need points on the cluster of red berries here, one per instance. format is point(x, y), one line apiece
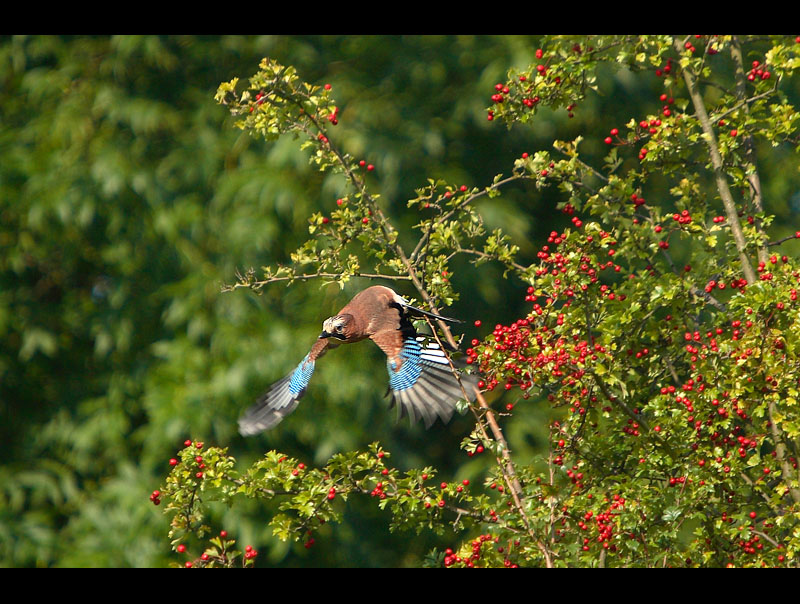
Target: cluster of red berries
point(764, 274)
point(603, 523)
point(614, 132)
point(632, 429)
point(758, 71)
point(644, 127)
point(198, 458)
point(666, 69)
point(683, 217)
point(378, 491)
point(259, 100)
point(741, 284)
point(250, 553)
point(542, 69)
point(530, 349)
point(479, 448)
point(501, 89)
point(333, 116)
point(155, 496)
point(575, 477)
point(450, 557)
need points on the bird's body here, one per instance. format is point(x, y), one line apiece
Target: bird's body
point(423, 380)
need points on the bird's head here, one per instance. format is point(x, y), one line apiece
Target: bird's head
point(338, 326)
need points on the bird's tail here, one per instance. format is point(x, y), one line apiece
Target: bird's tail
point(419, 312)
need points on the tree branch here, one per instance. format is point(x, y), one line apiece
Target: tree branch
point(719, 174)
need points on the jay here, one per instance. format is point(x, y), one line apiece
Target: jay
point(422, 378)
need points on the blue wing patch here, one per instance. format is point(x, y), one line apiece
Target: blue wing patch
point(301, 376)
point(424, 385)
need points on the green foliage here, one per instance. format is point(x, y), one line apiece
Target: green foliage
point(672, 380)
point(639, 388)
point(128, 199)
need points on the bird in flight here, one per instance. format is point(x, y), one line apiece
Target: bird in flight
point(424, 382)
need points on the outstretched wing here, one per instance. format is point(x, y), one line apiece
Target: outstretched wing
point(421, 378)
point(283, 396)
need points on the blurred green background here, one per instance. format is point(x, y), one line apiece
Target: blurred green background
point(127, 198)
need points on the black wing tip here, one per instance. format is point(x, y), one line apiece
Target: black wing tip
point(270, 409)
point(260, 419)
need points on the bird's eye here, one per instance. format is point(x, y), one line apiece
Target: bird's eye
point(338, 329)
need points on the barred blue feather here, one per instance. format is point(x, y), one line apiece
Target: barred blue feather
point(301, 377)
point(424, 385)
point(279, 401)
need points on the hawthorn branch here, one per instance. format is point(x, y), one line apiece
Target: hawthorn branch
point(256, 285)
point(718, 169)
point(504, 461)
point(465, 202)
point(779, 241)
point(780, 452)
point(744, 102)
point(480, 254)
point(749, 148)
point(393, 244)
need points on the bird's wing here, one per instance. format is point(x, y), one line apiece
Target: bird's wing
point(421, 379)
point(284, 395)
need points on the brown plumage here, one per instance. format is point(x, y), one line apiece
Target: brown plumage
point(422, 380)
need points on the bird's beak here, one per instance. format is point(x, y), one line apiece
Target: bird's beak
point(324, 335)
